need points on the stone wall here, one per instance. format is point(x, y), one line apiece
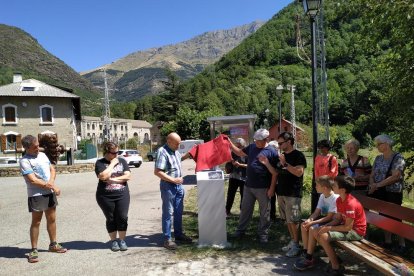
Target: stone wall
point(60, 169)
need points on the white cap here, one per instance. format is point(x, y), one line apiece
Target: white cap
point(241, 142)
point(261, 134)
point(274, 144)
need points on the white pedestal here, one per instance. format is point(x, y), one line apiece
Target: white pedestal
point(211, 209)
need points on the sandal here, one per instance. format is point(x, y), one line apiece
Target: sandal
point(33, 256)
point(57, 248)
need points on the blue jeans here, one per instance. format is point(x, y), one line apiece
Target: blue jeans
point(172, 196)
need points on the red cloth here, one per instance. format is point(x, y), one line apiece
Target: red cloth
point(212, 153)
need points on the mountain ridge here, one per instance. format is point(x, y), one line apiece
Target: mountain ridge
point(186, 59)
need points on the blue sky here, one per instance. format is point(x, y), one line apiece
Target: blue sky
point(86, 34)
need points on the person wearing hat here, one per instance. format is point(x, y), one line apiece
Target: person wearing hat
point(237, 176)
point(260, 184)
point(325, 162)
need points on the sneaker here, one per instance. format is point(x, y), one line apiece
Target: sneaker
point(115, 246)
point(33, 256)
point(293, 251)
point(169, 244)
point(57, 248)
point(303, 264)
point(303, 252)
point(122, 245)
point(288, 246)
point(184, 239)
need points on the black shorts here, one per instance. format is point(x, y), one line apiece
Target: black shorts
point(42, 203)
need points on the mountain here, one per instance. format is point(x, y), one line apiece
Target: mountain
point(142, 72)
point(20, 52)
point(244, 80)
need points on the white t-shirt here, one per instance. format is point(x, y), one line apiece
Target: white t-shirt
point(40, 166)
point(327, 204)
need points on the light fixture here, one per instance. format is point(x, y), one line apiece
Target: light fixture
point(311, 7)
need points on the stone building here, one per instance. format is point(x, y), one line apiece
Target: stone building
point(120, 130)
point(34, 107)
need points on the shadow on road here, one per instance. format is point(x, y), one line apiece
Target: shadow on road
point(132, 241)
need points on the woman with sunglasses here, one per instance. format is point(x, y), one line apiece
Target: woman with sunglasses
point(112, 194)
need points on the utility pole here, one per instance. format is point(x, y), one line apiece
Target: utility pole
point(323, 91)
point(292, 110)
point(107, 112)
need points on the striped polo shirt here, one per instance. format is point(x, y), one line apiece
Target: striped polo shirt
point(169, 161)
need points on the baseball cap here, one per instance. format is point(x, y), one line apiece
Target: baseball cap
point(261, 134)
point(241, 141)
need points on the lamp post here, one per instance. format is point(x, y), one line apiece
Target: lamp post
point(279, 91)
point(266, 121)
point(312, 8)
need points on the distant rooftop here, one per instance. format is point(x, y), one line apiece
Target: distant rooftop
point(34, 88)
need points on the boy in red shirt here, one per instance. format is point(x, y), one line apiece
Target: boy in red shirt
point(349, 223)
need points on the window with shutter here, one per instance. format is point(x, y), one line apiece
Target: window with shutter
point(3, 142)
point(9, 114)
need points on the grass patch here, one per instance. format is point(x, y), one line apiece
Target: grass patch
point(249, 245)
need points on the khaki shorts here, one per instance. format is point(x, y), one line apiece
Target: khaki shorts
point(289, 208)
point(344, 236)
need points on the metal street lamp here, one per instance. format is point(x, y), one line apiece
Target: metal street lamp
point(265, 121)
point(279, 91)
point(312, 8)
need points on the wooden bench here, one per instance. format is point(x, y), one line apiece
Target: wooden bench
point(385, 261)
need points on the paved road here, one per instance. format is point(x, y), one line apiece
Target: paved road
point(81, 228)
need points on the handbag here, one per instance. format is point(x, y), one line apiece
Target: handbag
point(381, 192)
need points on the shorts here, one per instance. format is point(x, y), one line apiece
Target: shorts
point(289, 208)
point(42, 203)
point(344, 236)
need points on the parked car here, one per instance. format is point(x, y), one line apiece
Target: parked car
point(132, 157)
point(152, 155)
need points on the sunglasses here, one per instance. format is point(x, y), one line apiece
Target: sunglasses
point(112, 152)
point(281, 143)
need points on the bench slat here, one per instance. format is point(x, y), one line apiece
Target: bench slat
point(387, 208)
point(369, 258)
point(394, 226)
point(396, 259)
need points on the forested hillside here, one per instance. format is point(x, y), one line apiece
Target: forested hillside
point(20, 52)
point(362, 62)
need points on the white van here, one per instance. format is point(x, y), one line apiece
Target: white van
point(187, 145)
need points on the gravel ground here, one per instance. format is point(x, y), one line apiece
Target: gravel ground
point(81, 228)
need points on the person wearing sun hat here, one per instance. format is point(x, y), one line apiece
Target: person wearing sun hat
point(260, 184)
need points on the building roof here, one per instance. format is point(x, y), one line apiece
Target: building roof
point(290, 123)
point(231, 120)
point(34, 88)
point(134, 123)
point(140, 124)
